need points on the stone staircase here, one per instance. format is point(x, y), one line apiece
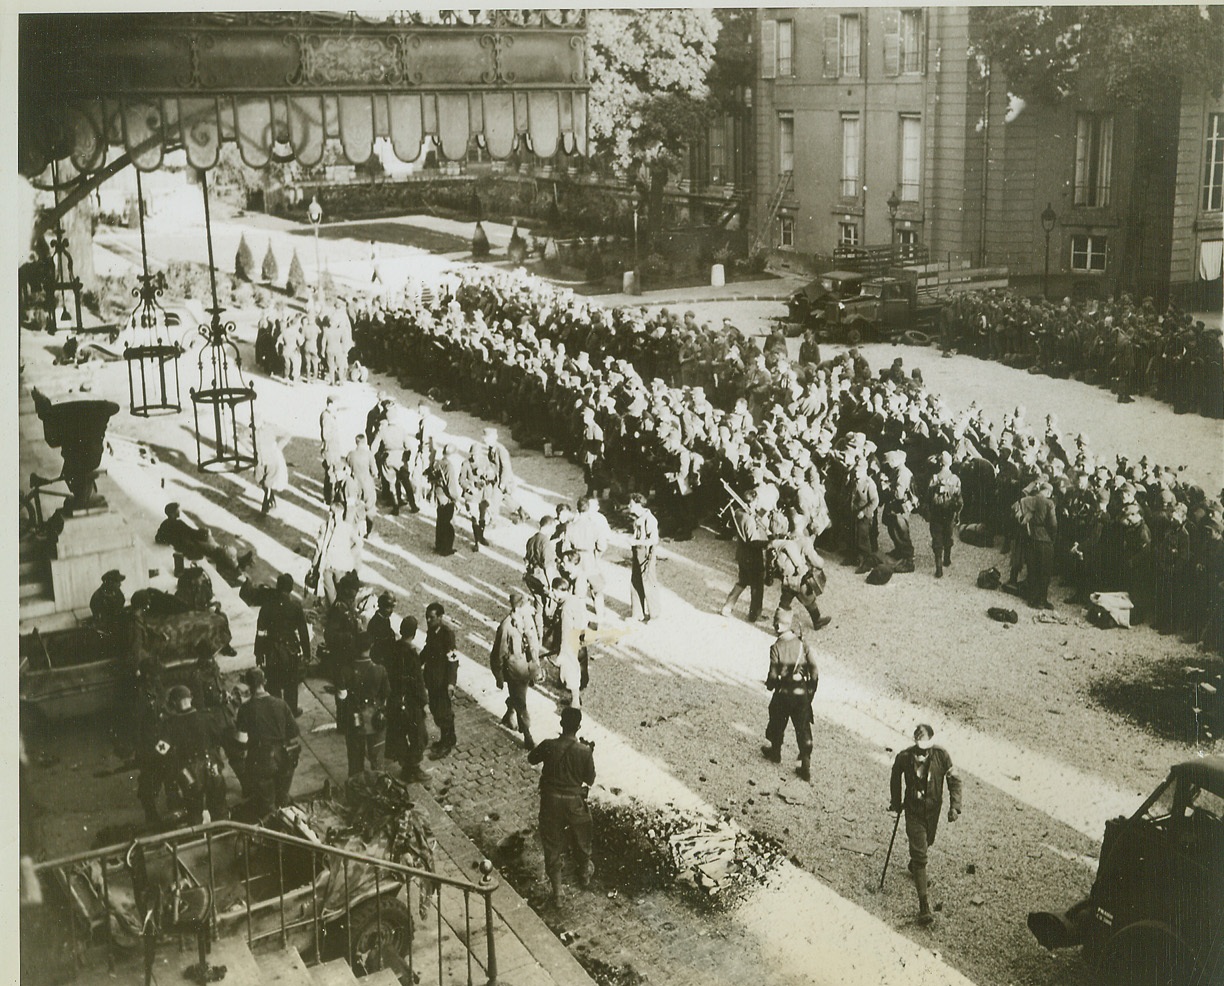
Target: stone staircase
point(264, 967)
point(37, 598)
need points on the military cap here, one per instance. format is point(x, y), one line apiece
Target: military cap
point(114, 575)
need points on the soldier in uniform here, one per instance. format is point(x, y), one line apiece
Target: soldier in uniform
point(268, 738)
point(644, 579)
point(330, 447)
point(310, 348)
point(515, 661)
point(440, 669)
point(379, 628)
point(899, 503)
point(106, 605)
point(565, 820)
point(407, 734)
point(752, 539)
point(447, 492)
point(282, 642)
point(390, 448)
point(925, 769)
point(361, 711)
point(361, 462)
point(190, 747)
point(475, 479)
point(864, 505)
point(943, 504)
point(793, 678)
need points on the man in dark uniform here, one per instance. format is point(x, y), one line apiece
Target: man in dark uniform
point(925, 768)
point(565, 820)
point(282, 642)
point(190, 747)
point(793, 678)
point(1040, 529)
point(361, 710)
point(106, 605)
point(943, 506)
point(408, 736)
point(447, 492)
point(379, 628)
point(752, 538)
point(440, 668)
point(268, 738)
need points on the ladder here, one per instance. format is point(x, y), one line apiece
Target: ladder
point(761, 237)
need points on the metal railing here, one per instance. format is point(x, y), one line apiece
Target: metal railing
point(391, 881)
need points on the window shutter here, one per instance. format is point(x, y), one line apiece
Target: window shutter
point(831, 50)
point(922, 33)
point(769, 49)
point(892, 42)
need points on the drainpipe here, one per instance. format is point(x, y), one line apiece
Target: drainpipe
point(985, 171)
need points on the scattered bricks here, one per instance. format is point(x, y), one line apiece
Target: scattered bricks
point(971, 868)
point(977, 901)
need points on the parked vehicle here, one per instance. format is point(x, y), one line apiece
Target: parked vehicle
point(1155, 914)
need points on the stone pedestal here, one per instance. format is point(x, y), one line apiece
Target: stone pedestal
point(93, 542)
point(718, 276)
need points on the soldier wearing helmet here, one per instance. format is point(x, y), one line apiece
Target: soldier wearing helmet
point(189, 751)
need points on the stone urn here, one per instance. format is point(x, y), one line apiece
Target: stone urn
point(78, 430)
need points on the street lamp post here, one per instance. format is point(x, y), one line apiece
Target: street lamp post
point(637, 262)
point(893, 203)
point(1048, 218)
point(315, 212)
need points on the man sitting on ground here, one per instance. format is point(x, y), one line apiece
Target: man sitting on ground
point(195, 543)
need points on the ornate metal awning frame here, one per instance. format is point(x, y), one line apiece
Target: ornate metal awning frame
point(281, 84)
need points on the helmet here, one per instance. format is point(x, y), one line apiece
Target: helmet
point(180, 697)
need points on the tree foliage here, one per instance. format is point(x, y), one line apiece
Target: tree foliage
point(1137, 54)
point(648, 72)
point(244, 261)
point(270, 270)
point(295, 282)
point(735, 62)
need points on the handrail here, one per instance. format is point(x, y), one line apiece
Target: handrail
point(400, 880)
point(486, 886)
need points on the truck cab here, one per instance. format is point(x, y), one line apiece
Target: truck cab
point(1155, 914)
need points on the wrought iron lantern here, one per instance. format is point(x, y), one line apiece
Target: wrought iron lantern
point(224, 402)
point(152, 357)
point(66, 281)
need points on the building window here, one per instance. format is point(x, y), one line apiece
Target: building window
point(786, 231)
point(848, 45)
point(1088, 254)
point(911, 157)
point(786, 44)
point(847, 234)
point(907, 239)
point(911, 41)
point(786, 142)
point(850, 157)
point(1215, 162)
point(1093, 158)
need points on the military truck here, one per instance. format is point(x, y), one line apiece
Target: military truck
point(849, 307)
point(1155, 914)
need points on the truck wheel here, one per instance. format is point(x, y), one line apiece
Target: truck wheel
point(853, 336)
point(916, 338)
point(370, 938)
point(1146, 953)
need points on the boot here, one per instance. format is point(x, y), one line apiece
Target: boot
point(555, 883)
point(925, 917)
point(528, 742)
point(508, 719)
point(938, 569)
point(805, 768)
point(772, 753)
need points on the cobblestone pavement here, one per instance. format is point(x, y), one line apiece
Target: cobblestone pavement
point(622, 934)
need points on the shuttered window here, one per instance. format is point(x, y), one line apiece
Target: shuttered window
point(1093, 158)
point(849, 46)
point(786, 45)
point(1215, 162)
point(911, 157)
point(912, 41)
point(786, 142)
point(769, 49)
point(850, 157)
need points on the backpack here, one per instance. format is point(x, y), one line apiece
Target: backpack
point(989, 578)
point(943, 494)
